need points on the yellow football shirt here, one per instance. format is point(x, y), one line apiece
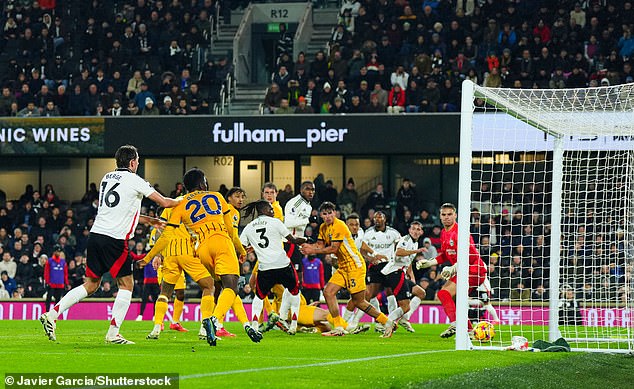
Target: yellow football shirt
point(348, 255)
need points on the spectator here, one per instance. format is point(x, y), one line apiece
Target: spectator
point(149, 108)
point(9, 283)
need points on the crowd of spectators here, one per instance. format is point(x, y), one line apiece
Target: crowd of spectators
point(510, 223)
point(399, 56)
point(87, 58)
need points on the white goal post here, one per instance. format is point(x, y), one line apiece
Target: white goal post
point(546, 189)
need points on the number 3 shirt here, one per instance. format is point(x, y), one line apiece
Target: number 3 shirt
point(266, 234)
point(120, 195)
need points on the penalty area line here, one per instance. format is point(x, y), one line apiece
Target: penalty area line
point(318, 364)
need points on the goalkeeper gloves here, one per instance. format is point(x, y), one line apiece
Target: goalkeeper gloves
point(448, 272)
point(425, 263)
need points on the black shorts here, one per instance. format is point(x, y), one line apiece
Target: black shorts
point(106, 254)
point(293, 253)
point(287, 276)
point(399, 285)
point(374, 275)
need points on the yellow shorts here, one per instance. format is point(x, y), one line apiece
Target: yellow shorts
point(353, 280)
point(306, 315)
point(180, 284)
point(173, 269)
point(217, 252)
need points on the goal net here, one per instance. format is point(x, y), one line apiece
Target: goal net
point(547, 192)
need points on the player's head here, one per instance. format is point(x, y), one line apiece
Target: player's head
point(379, 219)
point(269, 192)
point(262, 207)
point(328, 212)
point(235, 196)
point(353, 223)
point(127, 157)
point(448, 215)
point(307, 190)
point(415, 230)
point(194, 180)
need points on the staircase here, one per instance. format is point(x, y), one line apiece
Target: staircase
point(223, 44)
point(248, 97)
point(324, 21)
point(247, 100)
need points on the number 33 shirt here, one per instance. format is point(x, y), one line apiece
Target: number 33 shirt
point(266, 234)
point(120, 195)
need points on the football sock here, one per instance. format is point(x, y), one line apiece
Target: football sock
point(492, 312)
point(448, 304)
point(238, 309)
point(391, 303)
point(206, 306)
point(256, 310)
point(225, 300)
point(396, 314)
point(74, 296)
point(356, 318)
point(267, 305)
point(294, 305)
point(160, 308)
point(375, 303)
point(178, 310)
point(119, 309)
point(414, 303)
point(382, 319)
point(286, 304)
point(348, 315)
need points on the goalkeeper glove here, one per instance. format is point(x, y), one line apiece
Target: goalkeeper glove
point(448, 272)
point(425, 263)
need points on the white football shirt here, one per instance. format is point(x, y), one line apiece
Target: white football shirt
point(358, 239)
point(382, 242)
point(296, 215)
point(266, 234)
point(396, 263)
point(120, 195)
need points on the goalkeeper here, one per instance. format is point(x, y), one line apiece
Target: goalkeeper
point(449, 253)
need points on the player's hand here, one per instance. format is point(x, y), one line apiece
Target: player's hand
point(242, 258)
point(422, 250)
point(154, 222)
point(425, 263)
point(249, 249)
point(379, 258)
point(157, 262)
point(307, 249)
point(448, 272)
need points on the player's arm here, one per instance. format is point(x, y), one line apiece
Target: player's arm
point(162, 242)
point(371, 255)
point(154, 222)
point(320, 248)
point(401, 252)
point(295, 240)
point(163, 201)
point(410, 273)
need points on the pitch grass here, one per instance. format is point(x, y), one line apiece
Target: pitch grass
point(302, 361)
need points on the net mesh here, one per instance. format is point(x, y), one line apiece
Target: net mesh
point(512, 182)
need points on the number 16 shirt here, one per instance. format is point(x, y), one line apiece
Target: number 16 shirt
point(120, 195)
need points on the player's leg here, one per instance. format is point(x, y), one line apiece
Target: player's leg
point(160, 308)
point(290, 281)
point(418, 294)
point(228, 268)
point(263, 284)
point(96, 265)
point(337, 282)
point(179, 304)
point(446, 295)
point(320, 320)
point(372, 289)
point(120, 308)
point(364, 306)
point(145, 297)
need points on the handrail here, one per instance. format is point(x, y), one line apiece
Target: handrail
point(221, 109)
point(229, 83)
point(217, 29)
point(305, 30)
point(246, 65)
